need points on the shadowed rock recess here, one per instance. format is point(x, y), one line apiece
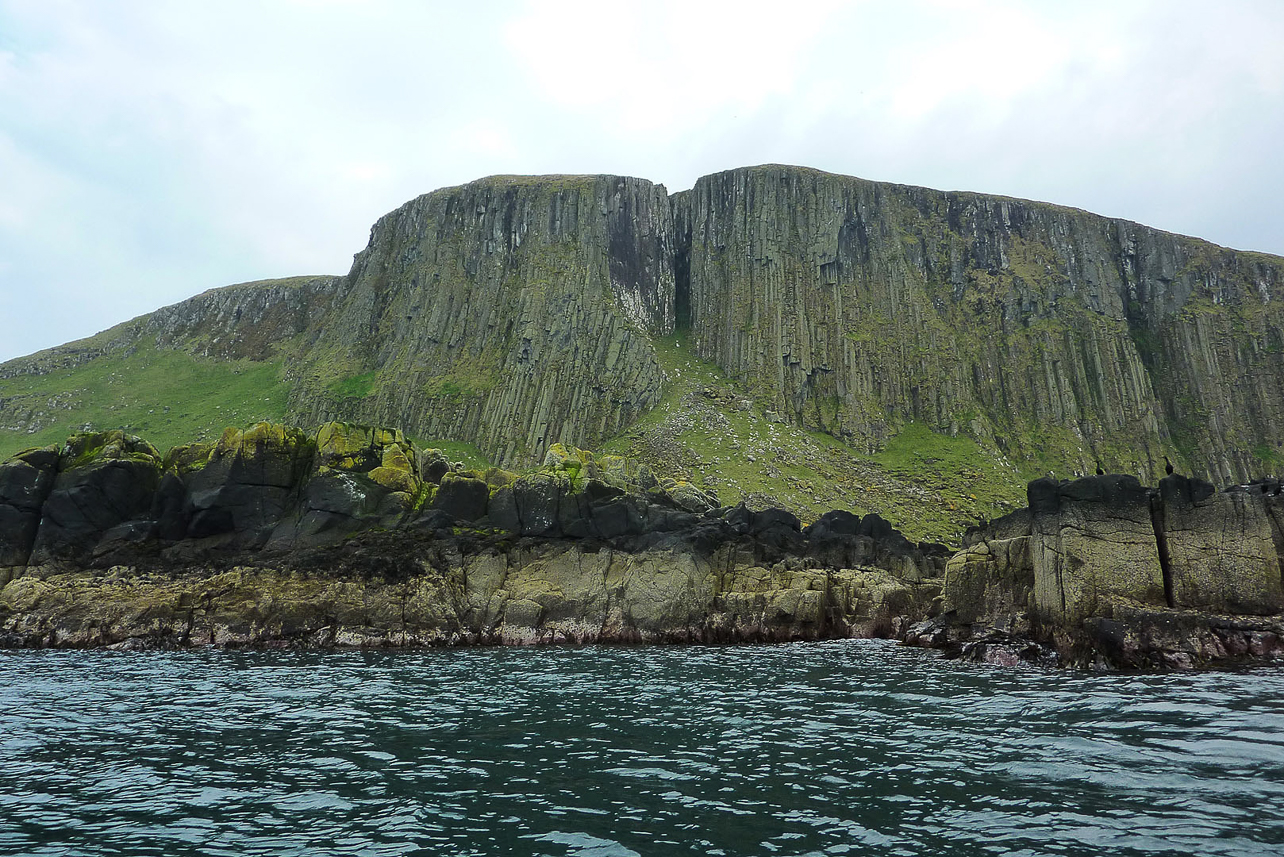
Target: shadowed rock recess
point(532, 317)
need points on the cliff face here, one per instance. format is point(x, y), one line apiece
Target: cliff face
point(242, 321)
point(517, 312)
point(1058, 337)
point(189, 368)
point(512, 312)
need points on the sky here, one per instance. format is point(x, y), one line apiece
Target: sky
point(152, 150)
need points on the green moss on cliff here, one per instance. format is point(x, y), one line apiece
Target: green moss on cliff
point(355, 386)
point(713, 432)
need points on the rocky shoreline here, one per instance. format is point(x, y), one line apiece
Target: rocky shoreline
point(1107, 573)
point(354, 537)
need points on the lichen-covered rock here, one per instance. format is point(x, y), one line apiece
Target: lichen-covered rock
point(187, 457)
point(687, 496)
point(250, 482)
point(429, 593)
point(362, 476)
point(382, 454)
point(1221, 553)
point(104, 480)
point(1092, 540)
point(990, 580)
point(357, 448)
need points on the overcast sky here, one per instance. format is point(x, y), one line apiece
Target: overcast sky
point(151, 150)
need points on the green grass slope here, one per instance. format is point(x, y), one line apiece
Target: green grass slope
point(710, 431)
point(706, 429)
point(166, 396)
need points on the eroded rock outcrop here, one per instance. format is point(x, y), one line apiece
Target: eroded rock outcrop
point(353, 536)
point(105, 482)
point(1109, 571)
point(1221, 552)
point(25, 483)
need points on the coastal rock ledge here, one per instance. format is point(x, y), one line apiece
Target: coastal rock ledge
point(352, 536)
point(1106, 572)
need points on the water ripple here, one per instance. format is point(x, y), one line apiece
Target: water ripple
point(817, 749)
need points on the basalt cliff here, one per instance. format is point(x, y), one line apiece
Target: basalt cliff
point(769, 361)
point(514, 313)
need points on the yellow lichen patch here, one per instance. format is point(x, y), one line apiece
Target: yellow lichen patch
point(187, 457)
point(260, 435)
point(395, 479)
point(359, 448)
point(497, 477)
point(395, 457)
point(88, 447)
point(337, 443)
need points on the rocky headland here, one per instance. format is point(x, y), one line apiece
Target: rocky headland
point(774, 367)
point(1104, 572)
point(353, 536)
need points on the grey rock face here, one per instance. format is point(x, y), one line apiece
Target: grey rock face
point(239, 321)
point(1171, 577)
point(1222, 554)
point(1091, 540)
point(518, 312)
point(857, 307)
point(513, 312)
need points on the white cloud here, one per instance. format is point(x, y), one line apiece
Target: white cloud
point(148, 151)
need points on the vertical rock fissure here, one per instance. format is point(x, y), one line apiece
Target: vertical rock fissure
point(1161, 543)
point(682, 287)
point(681, 265)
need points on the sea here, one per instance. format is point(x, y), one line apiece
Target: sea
point(831, 748)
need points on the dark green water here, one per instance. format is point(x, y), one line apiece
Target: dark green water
point(835, 748)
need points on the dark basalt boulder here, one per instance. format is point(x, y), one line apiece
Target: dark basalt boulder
point(1180, 490)
point(463, 497)
point(25, 483)
point(539, 500)
point(169, 508)
point(839, 539)
point(103, 480)
point(362, 477)
point(250, 482)
point(501, 512)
